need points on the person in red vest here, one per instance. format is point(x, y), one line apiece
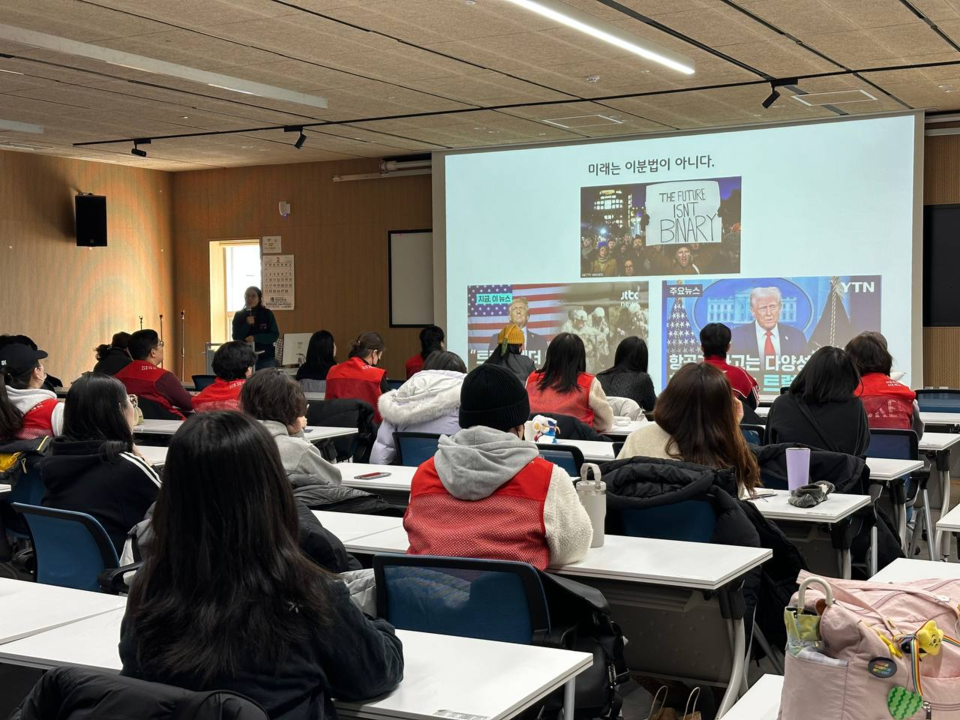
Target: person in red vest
point(487, 493)
point(431, 340)
point(27, 411)
point(889, 404)
point(563, 387)
point(715, 341)
point(359, 378)
point(146, 380)
point(233, 363)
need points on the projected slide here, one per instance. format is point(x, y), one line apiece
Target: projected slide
point(777, 323)
point(602, 314)
point(688, 227)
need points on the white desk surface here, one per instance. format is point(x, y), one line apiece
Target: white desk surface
point(398, 481)
point(762, 701)
point(621, 431)
point(950, 522)
point(352, 526)
point(156, 456)
point(27, 608)
point(593, 450)
point(887, 469)
point(936, 442)
point(4, 489)
point(314, 396)
point(487, 679)
point(311, 432)
point(762, 411)
point(940, 418)
point(904, 570)
point(768, 398)
point(653, 562)
point(158, 427)
point(834, 509)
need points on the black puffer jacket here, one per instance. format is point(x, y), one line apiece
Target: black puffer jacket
point(571, 428)
point(76, 694)
point(848, 473)
point(350, 414)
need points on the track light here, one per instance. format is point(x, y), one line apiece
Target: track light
point(774, 93)
point(297, 129)
point(135, 150)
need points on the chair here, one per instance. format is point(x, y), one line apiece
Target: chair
point(346, 412)
point(72, 548)
point(395, 384)
point(568, 457)
point(938, 400)
point(753, 434)
point(617, 447)
point(202, 381)
point(484, 599)
point(153, 410)
point(415, 448)
point(687, 521)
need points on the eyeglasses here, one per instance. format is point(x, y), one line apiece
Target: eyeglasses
point(161, 344)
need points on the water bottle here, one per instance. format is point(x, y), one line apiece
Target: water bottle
point(593, 497)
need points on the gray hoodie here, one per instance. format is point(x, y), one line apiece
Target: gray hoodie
point(300, 456)
point(26, 399)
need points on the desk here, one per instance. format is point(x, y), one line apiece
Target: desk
point(156, 456)
point(766, 399)
point(664, 579)
point(353, 526)
point(394, 488)
point(27, 608)
point(904, 570)
point(763, 411)
point(596, 451)
point(621, 431)
point(836, 509)
point(313, 433)
point(948, 419)
point(314, 396)
point(762, 701)
point(938, 445)
point(484, 679)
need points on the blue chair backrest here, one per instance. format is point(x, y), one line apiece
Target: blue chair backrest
point(688, 521)
point(28, 488)
point(483, 599)
point(753, 434)
point(414, 449)
point(202, 381)
point(893, 444)
point(942, 400)
point(72, 548)
point(567, 457)
point(395, 384)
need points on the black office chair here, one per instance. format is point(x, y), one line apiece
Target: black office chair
point(153, 410)
point(617, 447)
point(567, 457)
point(202, 381)
point(784, 390)
point(395, 384)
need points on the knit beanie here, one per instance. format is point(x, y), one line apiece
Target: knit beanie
point(493, 396)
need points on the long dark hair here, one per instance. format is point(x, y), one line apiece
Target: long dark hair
point(93, 410)
point(431, 340)
point(697, 410)
point(445, 360)
point(120, 341)
point(830, 375)
point(226, 579)
point(320, 356)
point(632, 356)
point(11, 419)
point(566, 359)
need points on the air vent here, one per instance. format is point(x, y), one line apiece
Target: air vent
point(839, 97)
point(583, 121)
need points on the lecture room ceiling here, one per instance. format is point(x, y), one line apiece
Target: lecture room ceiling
point(403, 77)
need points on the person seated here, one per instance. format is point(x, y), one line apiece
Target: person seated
point(144, 378)
point(94, 467)
point(276, 400)
point(27, 410)
point(429, 402)
point(359, 378)
point(112, 358)
point(226, 600)
point(628, 377)
point(50, 382)
point(233, 363)
point(821, 408)
point(563, 385)
point(889, 404)
point(488, 494)
point(715, 341)
point(508, 354)
point(321, 356)
point(431, 340)
point(697, 420)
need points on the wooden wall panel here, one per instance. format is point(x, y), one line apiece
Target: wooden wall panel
point(941, 357)
point(70, 299)
point(336, 231)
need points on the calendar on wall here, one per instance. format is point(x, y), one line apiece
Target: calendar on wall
point(278, 282)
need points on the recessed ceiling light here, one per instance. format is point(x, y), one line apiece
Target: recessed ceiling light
point(184, 117)
point(11, 72)
point(20, 127)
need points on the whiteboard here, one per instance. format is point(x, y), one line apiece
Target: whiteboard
point(411, 278)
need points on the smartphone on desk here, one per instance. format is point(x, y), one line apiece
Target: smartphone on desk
point(372, 476)
point(765, 494)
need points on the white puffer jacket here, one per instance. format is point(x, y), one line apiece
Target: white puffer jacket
point(428, 402)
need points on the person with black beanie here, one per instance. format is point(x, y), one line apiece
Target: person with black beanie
point(487, 493)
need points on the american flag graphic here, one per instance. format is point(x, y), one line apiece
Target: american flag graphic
point(488, 310)
point(680, 337)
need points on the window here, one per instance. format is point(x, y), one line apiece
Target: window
point(234, 266)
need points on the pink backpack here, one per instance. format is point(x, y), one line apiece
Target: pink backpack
point(869, 642)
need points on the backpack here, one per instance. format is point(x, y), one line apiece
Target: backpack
point(859, 662)
point(17, 459)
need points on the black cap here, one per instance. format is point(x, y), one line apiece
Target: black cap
point(494, 397)
point(17, 359)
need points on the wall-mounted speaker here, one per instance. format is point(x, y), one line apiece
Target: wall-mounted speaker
point(91, 220)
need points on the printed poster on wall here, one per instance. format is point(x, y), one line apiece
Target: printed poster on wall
point(278, 282)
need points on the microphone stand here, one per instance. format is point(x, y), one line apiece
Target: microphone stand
point(161, 334)
point(141, 322)
point(183, 346)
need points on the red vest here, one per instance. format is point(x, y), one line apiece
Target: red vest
point(741, 381)
point(38, 420)
point(413, 365)
point(140, 378)
point(221, 395)
point(575, 403)
point(889, 404)
point(507, 525)
point(353, 379)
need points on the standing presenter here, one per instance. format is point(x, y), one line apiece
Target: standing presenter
point(256, 324)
